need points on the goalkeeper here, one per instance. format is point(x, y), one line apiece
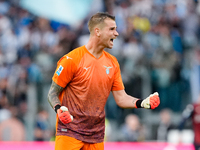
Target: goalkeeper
point(81, 85)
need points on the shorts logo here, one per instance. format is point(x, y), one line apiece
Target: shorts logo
point(58, 72)
point(64, 130)
point(107, 69)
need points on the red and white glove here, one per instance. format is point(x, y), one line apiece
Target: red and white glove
point(151, 102)
point(64, 115)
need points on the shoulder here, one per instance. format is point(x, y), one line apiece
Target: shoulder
point(74, 56)
point(76, 52)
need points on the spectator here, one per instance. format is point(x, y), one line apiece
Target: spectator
point(192, 113)
point(42, 129)
point(165, 125)
point(12, 129)
point(132, 129)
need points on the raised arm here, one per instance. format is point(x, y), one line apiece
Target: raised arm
point(126, 101)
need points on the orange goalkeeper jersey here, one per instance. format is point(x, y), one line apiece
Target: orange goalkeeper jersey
point(87, 83)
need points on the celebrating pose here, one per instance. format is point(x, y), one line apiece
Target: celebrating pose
point(81, 85)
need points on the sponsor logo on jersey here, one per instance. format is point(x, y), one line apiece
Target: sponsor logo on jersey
point(107, 69)
point(60, 69)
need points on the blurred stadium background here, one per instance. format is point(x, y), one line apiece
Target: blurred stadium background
point(158, 50)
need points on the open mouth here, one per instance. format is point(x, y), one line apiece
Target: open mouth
point(111, 40)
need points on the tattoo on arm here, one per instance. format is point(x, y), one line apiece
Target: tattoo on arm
point(53, 95)
point(134, 100)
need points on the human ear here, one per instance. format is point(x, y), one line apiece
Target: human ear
point(97, 31)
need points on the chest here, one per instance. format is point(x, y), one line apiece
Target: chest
point(95, 70)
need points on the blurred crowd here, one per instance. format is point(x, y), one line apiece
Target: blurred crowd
point(157, 48)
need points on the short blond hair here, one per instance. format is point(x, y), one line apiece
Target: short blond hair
point(98, 18)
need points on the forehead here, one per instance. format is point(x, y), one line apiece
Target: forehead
point(109, 23)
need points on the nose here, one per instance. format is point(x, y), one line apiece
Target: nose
point(116, 33)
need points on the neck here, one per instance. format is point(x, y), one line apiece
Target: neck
point(95, 48)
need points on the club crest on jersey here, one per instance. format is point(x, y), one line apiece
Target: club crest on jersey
point(58, 72)
point(107, 69)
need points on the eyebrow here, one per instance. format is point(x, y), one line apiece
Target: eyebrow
point(113, 27)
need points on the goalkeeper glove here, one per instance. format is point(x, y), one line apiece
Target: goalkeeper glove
point(151, 102)
point(63, 114)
